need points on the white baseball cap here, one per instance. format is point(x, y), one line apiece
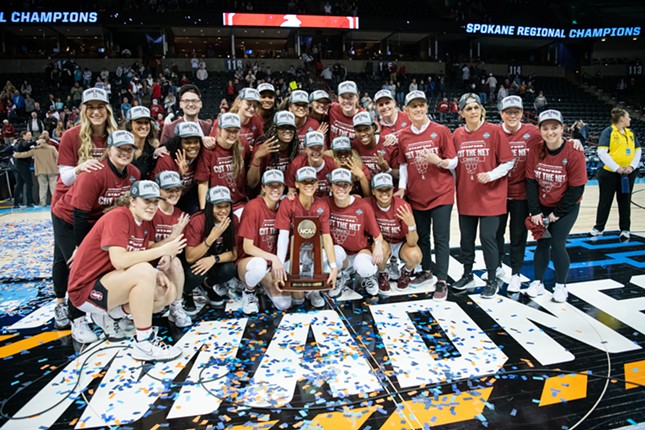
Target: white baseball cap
point(120, 138)
point(550, 114)
point(249, 94)
point(139, 112)
point(362, 118)
point(145, 190)
point(266, 87)
point(319, 95)
point(414, 95)
point(284, 117)
point(314, 138)
point(229, 120)
point(340, 175)
point(95, 94)
point(341, 143)
point(383, 94)
point(347, 87)
point(188, 129)
point(511, 102)
point(271, 176)
point(218, 194)
point(382, 180)
point(305, 173)
point(299, 96)
point(168, 179)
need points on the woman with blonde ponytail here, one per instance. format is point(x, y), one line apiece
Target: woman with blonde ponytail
point(80, 148)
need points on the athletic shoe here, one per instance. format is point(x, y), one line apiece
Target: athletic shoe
point(441, 291)
point(490, 290)
point(422, 278)
point(216, 295)
point(466, 281)
point(250, 303)
point(155, 349)
point(536, 288)
point(393, 268)
point(61, 319)
point(127, 326)
point(383, 282)
point(315, 299)
point(341, 283)
point(624, 236)
point(404, 280)
point(81, 331)
point(179, 316)
point(189, 304)
point(110, 327)
point(595, 232)
point(515, 284)
point(560, 293)
point(499, 273)
point(371, 285)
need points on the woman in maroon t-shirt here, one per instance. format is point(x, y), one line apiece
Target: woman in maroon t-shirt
point(556, 175)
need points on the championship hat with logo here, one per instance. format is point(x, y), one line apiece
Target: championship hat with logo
point(362, 118)
point(319, 95)
point(284, 117)
point(341, 143)
point(305, 173)
point(229, 120)
point(95, 94)
point(218, 194)
point(415, 95)
point(265, 86)
point(511, 102)
point(383, 94)
point(299, 96)
point(382, 180)
point(314, 138)
point(250, 94)
point(120, 138)
point(145, 190)
point(340, 175)
point(347, 87)
point(168, 179)
point(273, 176)
point(188, 129)
point(550, 114)
point(139, 112)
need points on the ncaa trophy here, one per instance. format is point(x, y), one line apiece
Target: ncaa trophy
point(306, 236)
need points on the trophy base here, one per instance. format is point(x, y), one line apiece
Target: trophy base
point(315, 283)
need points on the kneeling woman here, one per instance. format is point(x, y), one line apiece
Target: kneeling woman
point(210, 248)
point(353, 225)
point(258, 262)
point(305, 203)
point(396, 221)
point(556, 176)
point(112, 276)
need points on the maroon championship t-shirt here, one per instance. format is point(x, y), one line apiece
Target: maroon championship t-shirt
point(522, 141)
point(187, 180)
point(480, 151)
point(353, 226)
point(266, 161)
point(92, 260)
point(258, 224)
point(290, 209)
point(322, 174)
point(249, 132)
point(163, 223)
point(68, 156)
point(309, 125)
point(556, 173)
point(392, 227)
point(216, 167)
point(340, 124)
point(429, 186)
point(402, 121)
point(368, 155)
point(94, 192)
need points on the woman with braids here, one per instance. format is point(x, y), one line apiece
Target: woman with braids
point(266, 109)
point(225, 164)
point(78, 153)
point(139, 124)
point(211, 249)
point(556, 175)
point(184, 149)
point(276, 149)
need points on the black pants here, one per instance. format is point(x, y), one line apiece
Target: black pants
point(440, 216)
point(608, 185)
point(555, 248)
point(64, 245)
point(218, 274)
point(518, 210)
point(23, 179)
point(487, 231)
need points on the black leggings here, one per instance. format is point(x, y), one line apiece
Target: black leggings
point(64, 245)
point(441, 235)
point(555, 248)
point(218, 274)
point(487, 235)
point(518, 211)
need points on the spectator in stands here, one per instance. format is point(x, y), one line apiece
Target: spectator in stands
point(35, 125)
point(190, 101)
point(454, 109)
point(77, 94)
point(580, 131)
point(483, 91)
point(125, 107)
point(502, 93)
point(443, 107)
point(30, 105)
point(59, 130)
point(202, 73)
point(24, 184)
point(8, 90)
point(492, 86)
point(8, 132)
point(50, 122)
point(25, 89)
point(620, 152)
point(19, 102)
point(539, 103)
point(366, 99)
point(556, 176)
point(170, 102)
point(194, 63)
point(223, 107)
point(87, 77)
point(45, 165)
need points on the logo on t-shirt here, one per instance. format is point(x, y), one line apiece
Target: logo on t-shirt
point(359, 211)
point(526, 136)
point(433, 135)
point(486, 135)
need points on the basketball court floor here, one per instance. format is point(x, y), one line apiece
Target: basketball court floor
point(395, 362)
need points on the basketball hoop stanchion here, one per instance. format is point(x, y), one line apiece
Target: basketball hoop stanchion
point(306, 231)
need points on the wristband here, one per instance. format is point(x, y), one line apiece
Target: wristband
point(207, 245)
point(333, 265)
point(439, 163)
point(412, 227)
point(254, 165)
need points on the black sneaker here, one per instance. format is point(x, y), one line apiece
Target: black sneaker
point(422, 278)
point(466, 281)
point(217, 295)
point(189, 304)
point(490, 290)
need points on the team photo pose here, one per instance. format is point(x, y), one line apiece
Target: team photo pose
point(556, 175)
point(391, 119)
point(139, 123)
point(251, 126)
point(346, 158)
point(315, 157)
point(266, 107)
point(375, 155)
point(319, 102)
point(299, 106)
point(353, 228)
point(112, 275)
point(426, 156)
point(482, 186)
point(341, 113)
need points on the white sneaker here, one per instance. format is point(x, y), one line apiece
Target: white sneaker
point(127, 326)
point(624, 236)
point(179, 316)
point(81, 331)
point(154, 349)
point(110, 326)
point(61, 318)
point(515, 284)
point(560, 293)
point(499, 273)
point(250, 303)
point(536, 288)
point(595, 232)
point(371, 285)
point(341, 283)
point(315, 299)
